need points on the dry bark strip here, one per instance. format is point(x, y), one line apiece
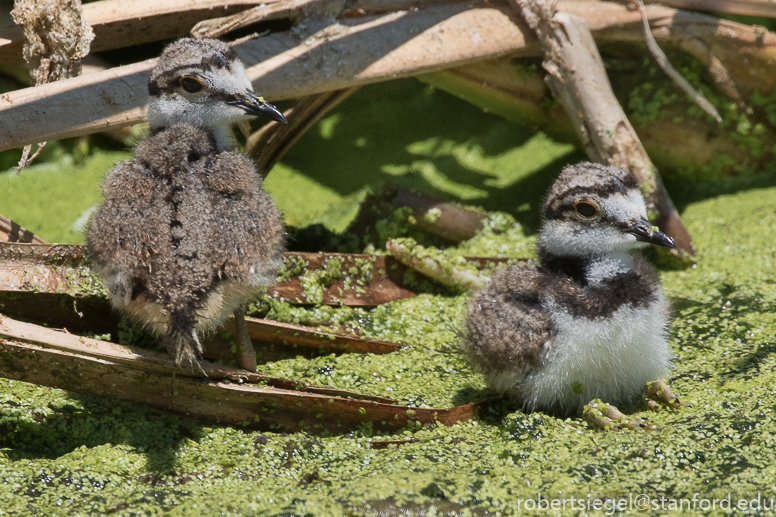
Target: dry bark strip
point(353, 52)
point(576, 76)
point(141, 358)
point(460, 275)
point(340, 56)
point(13, 232)
point(276, 333)
point(226, 396)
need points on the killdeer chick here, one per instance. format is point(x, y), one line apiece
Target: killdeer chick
point(591, 321)
point(186, 235)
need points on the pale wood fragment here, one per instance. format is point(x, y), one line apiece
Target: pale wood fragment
point(435, 264)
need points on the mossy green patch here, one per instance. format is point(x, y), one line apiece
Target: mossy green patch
point(67, 454)
point(53, 199)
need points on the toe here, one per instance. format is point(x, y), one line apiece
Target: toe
point(608, 417)
point(658, 391)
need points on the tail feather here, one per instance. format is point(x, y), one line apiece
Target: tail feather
point(182, 341)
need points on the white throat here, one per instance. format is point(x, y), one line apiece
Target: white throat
point(168, 111)
point(224, 137)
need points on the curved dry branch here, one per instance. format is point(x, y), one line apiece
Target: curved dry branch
point(366, 50)
point(340, 56)
point(270, 143)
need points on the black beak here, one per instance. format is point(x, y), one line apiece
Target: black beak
point(648, 232)
point(255, 105)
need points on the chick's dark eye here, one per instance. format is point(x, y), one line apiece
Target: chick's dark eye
point(191, 85)
point(585, 209)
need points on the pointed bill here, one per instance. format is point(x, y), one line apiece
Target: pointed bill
point(257, 106)
point(648, 232)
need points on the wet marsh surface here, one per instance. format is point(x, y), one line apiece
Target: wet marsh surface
point(63, 453)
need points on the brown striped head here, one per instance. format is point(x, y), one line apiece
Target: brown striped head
point(201, 82)
point(593, 209)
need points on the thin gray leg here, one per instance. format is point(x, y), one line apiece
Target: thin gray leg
point(244, 355)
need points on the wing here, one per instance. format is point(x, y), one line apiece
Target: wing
point(127, 228)
point(249, 240)
point(505, 327)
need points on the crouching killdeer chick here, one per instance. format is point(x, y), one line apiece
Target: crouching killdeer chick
point(590, 323)
point(186, 235)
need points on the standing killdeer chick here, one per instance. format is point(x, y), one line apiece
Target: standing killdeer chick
point(591, 321)
point(186, 235)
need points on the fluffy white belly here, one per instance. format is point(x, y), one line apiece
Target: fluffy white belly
point(607, 358)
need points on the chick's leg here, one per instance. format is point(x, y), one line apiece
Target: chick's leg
point(244, 355)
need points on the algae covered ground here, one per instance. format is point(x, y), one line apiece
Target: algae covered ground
point(63, 453)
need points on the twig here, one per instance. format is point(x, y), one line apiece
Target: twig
point(665, 64)
point(506, 88)
point(26, 159)
point(435, 264)
point(218, 27)
point(576, 76)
